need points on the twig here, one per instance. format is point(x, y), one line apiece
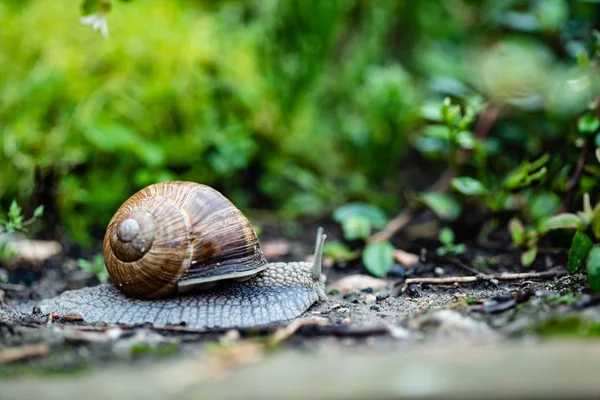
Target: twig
point(395, 225)
point(450, 279)
point(505, 276)
point(12, 287)
point(484, 124)
point(572, 184)
point(459, 264)
point(284, 333)
point(23, 352)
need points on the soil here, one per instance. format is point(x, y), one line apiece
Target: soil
point(393, 341)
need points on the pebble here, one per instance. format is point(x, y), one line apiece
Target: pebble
point(397, 271)
point(405, 258)
point(232, 335)
point(375, 308)
point(381, 297)
point(370, 299)
point(439, 271)
point(353, 283)
point(346, 320)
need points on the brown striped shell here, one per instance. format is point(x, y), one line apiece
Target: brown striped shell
point(175, 236)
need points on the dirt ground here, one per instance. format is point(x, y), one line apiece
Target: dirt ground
point(489, 338)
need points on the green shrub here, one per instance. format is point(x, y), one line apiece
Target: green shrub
point(302, 106)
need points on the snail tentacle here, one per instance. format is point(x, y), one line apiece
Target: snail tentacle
point(316, 269)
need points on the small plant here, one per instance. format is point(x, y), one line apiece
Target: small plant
point(95, 267)
point(357, 221)
point(448, 247)
point(14, 220)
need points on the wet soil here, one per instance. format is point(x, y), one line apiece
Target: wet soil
point(354, 334)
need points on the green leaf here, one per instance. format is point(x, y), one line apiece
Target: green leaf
point(528, 257)
point(543, 204)
point(527, 173)
point(580, 248)
point(89, 6)
point(595, 222)
point(593, 268)
point(517, 231)
point(561, 221)
point(442, 205)
point(446, 236)
point(14, 211)
point(356, 227)
point(468, 186)
point(460, 248)
point(39, 211)
point(373, 214)
point(378, 258)
point(583, 60)
point(466, 140)
point(339, 252)
point(588, 124)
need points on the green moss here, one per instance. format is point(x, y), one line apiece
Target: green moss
point(568, 299)
point(154, 350)
point(571, 325)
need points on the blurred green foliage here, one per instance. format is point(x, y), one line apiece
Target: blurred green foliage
point(301, 105)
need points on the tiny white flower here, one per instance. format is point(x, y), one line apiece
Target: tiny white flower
point(97, 22)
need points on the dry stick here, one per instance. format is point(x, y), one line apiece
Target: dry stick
point(482, 128)
point(23, 352)
point(572, 184)
point(12, 287)
point(505, 276)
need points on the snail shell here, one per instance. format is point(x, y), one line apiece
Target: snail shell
point(171, 237)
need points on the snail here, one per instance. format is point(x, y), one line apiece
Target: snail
point(180, 253)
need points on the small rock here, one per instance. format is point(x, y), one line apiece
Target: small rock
point(398, 332)
point(397, 271)
point(439, 271)
point(381, 297)
point(357, 283)
point(33, 251)
point(370, 299)
point(405, 258)
point(448, 322)
point(346, 320)
point(375, 308)
point(275, 249)
point(232, 335)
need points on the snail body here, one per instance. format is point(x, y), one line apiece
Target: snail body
point(180, 253)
